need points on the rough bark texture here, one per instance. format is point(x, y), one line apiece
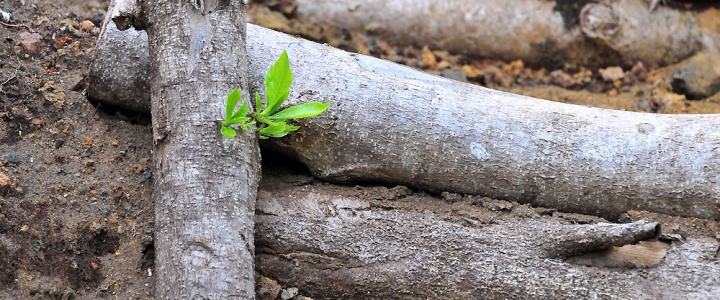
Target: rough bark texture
point(205, 184)
point(661, 37)
point(545, 33)
point(391, 124)
point(396, 125)
point(333, 243)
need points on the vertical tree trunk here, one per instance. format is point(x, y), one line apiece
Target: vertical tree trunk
point(205, 185)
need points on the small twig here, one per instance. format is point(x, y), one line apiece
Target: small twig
point(103, 289)
point(14, 75)
point(17, 25)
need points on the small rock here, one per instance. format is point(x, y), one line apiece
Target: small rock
point(612, 74)
point(639, 71)
point(454, 74)
point(267, 289)
point(36, 124)
point(10, 157)
point(443, 65)
point(53, 93)
point(61, 42)
point(75, 48)
point(87, 143)
point(98, 18)
point(401, 191)
point(451, 197)
point(30, 42)
point(698, 78)
point(495, 77)
point(4, 16)
point(562, 79)
point(5, 181)
point(583, 76)
point(86, 26)
point(288, 293)
point(497, 205)
point(428, 58)
point(471, 71)
point(514, 68)
point(41, 20)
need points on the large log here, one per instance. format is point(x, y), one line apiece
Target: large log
point(332, 242)
point(545, 33)
point(204, 184)
point(388, 123)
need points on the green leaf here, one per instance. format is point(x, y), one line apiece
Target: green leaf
point(279, 135)
point(258, 102)
point(304, 110)
point(246, 125)
point(239, 120)
point(242, 112)
point(235, 121)
point(228, 132)
point(232, 100)
point(273, 128)
point(277, 83)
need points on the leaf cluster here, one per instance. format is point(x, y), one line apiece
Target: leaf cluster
point(270, 122)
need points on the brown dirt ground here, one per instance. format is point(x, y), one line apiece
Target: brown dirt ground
point(76, 213)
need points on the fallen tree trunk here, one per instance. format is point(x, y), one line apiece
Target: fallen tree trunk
point(388, 123)
point(204, 184)
point(331, 242)
point(544, 33)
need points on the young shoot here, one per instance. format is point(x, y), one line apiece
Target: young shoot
point(269, 121)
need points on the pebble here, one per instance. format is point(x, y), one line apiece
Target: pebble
point(639, 71)
point(30, 42)
point(471, 71)
point(612, 74)
point(494, 77)
point(87, 26)
point(698, 78)
point(5, 181)
point(4, 16)
point(451, 197)
point(10, 157)
point(53, 93)
point(98, 18)
point(454, 74)
point(562, 79)
point(267, 289)
point(288, 293)
point(428, 58)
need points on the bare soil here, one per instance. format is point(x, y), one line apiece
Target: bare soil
point(76, 212)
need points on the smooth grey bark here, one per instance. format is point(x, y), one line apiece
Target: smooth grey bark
point(388, 123)
point(332, 242)
point(204, 184)
point(542, 33)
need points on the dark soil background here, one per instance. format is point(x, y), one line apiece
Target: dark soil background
point(76, 212)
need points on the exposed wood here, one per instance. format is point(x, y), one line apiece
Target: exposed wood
point(331, 242)
point(204, 184)
point(544, 33)
point(391, 124)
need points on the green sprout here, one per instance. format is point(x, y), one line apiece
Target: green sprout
point(269, 123)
